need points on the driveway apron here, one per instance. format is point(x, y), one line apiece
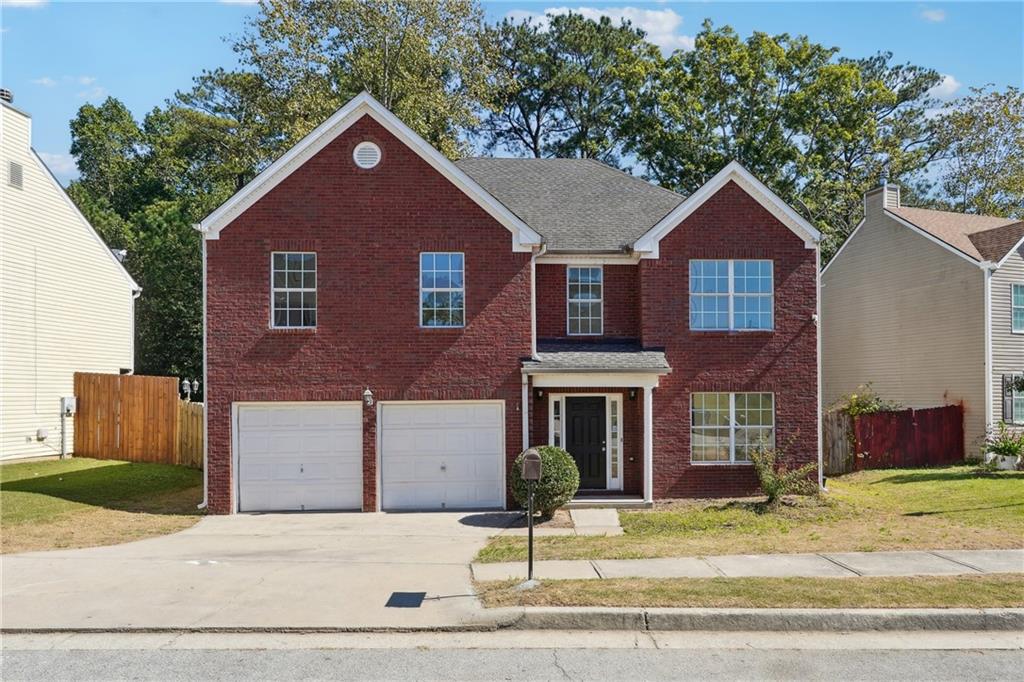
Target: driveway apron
point(261, 571)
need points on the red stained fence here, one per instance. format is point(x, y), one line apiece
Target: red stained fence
point(909, 438)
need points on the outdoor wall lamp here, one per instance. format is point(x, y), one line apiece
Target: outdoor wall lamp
point(368, 397)
point(538, 394)
point(632, 394)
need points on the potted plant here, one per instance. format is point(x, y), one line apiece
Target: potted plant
point(1004, 449)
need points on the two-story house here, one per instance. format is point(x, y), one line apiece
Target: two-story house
point(387, 329)
point(928, 307)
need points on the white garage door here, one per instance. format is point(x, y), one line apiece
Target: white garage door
point(445, 455)
point(300, 456)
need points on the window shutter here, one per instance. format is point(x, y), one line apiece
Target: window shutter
point(1008, 398)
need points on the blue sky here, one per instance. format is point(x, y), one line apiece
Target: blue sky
point(56, 56)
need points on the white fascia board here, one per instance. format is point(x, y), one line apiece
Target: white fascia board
point(843, 245)
point(523, 237)
point(588, 258)
point(648, 243)
point(1009, 253)
point(930, 237)
point(96, 235)
point(594, 380)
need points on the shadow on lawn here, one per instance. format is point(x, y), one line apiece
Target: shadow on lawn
point(140, 488)
point(959, 474)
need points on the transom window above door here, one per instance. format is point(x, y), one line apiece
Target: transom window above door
point(293, 290)
point(586, 301)
point(732, 295)
point(442, 290)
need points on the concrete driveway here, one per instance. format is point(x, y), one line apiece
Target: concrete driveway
point(260, 571)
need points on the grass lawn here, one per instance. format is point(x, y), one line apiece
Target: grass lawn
point(972, 591)
point(893, 509)
point(78, 502)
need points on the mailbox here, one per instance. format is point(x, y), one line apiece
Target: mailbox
point(531, 465)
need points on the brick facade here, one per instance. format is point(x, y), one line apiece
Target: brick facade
point(367, 228)
point(730, 224)
point(621, 303)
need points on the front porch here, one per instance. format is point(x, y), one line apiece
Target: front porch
point(596, 402)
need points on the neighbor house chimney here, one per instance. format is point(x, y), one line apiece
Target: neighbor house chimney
point(6, 95)
point(884, 196)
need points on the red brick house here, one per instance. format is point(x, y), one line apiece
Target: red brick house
point(387, 329)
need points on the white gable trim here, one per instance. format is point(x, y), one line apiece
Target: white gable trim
point(648, 243)
point(523, 238)
point(59, 189)
point(1009, 253)
point(929, 236)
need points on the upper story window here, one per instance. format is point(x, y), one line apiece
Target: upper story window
point(586, 301)
point(293, 289)
point(442, 290)
point(1017, 308)
point(726, 427)
point(731, 295)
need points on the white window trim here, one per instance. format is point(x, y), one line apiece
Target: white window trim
point(568, 301)
point(732, 296)
point(1015, 419)
point(611, 484)
point(1013, 286)
point(273, 289)
point(732, 428)
point(419, 284)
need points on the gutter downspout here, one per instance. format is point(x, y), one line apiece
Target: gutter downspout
point(533, 342)
point(206, 396)
point(817, 331)
point(988, 268)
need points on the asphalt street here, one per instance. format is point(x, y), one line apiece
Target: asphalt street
point(518, 656)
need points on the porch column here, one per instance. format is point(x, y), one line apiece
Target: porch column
point(648, 444)
point(526, 412)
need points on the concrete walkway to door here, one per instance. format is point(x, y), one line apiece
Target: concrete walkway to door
point(260, 571)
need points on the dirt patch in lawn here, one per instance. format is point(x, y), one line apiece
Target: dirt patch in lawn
point(978, 591)
point(947, 508)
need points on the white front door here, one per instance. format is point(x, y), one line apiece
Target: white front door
point(442, 455)
point(300, 456)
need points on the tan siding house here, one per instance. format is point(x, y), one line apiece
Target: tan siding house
point(66, 302)
point(904, 308)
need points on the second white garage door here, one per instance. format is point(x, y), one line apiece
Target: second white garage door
point(300, 456)
point(444, 455)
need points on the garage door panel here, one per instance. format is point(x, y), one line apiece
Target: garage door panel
point(442, 455)
point(299, 456)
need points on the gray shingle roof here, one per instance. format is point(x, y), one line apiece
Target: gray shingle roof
point(575, 204)
point(994, 244)
point(601, 357)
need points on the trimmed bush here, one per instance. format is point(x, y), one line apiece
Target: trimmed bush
point(559, 480)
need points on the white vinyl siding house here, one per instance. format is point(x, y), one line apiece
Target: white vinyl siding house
point(66, 303)
point(1007, 345)
point(904, 309)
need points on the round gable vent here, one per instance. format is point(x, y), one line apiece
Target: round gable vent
point(366, 155)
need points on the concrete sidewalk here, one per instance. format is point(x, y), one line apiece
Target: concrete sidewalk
point(825, 565)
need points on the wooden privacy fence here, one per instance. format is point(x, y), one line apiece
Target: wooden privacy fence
point(136, 418)
point(904, 438)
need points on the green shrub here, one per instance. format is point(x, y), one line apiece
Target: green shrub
point(864, 401)
point(776, 480)
point(559, 480)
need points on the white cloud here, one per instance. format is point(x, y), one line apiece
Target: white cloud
point(946, 88)
point(59, 164)
point(933, 15)
point(24, 3)
point(660, 25)
point(45, 81)
point(86, 80)
point(96, 92)
point(239, 2)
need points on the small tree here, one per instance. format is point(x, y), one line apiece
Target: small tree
point(776, 479)
point(559, 480)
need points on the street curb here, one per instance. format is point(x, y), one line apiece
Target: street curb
point(777, 620)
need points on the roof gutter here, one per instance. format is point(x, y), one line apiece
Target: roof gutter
point(660, 371)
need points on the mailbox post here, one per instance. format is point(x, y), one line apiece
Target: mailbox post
point(531, 474)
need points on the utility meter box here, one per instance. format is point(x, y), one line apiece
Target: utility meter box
point(68, 406)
